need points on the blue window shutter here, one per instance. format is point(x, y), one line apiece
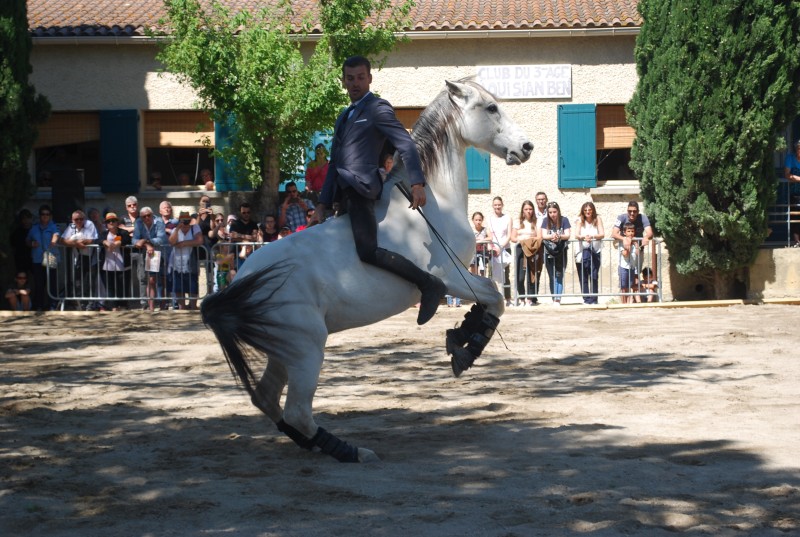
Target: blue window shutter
point(478, 169)
point(224, 178)
point(119, 151)
point(577, 151)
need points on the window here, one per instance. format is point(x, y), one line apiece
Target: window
point(68, 148)
point(176, 146)
point(594, 144)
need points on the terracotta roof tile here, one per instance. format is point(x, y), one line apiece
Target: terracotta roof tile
point(63, 18)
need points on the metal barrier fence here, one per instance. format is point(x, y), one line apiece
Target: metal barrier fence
point(594, 277)
point(598, 274)
point(170, 279)
point(784, 216)
point(80, 279)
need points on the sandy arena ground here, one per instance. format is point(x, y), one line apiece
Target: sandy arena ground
point(599, 422)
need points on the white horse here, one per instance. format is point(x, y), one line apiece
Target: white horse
point(291, 294)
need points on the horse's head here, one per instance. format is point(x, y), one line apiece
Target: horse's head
point(485, 125)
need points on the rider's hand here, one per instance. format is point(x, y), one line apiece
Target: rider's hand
point(417, 196)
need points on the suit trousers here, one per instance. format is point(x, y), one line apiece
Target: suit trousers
point(363, 224)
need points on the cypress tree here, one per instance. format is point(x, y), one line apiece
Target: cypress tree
point(718, 79)
point(20, 110)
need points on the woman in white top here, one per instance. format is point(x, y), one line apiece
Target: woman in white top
point(589, 232)
point(524, 228)
point(500, 227)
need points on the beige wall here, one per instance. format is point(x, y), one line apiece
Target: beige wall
point(96, 77)
point(106, 77)
point(603, 71)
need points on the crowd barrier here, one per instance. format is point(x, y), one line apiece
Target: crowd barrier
point(79, 281)
point(566, 280)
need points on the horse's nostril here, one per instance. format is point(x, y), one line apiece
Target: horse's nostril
point(528, 147)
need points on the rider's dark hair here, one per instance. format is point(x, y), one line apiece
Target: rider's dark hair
point(355, 61)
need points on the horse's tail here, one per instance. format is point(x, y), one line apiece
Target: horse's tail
point(240, 316)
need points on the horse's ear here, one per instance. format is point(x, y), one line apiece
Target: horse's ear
point(459, 93)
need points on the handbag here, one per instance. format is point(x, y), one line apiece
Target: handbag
point(554, 248)
point(49, 260)
point(506, 258)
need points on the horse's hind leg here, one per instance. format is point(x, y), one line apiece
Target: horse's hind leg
point(303, 364)
point(267, 396)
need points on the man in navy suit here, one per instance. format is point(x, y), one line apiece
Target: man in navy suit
point(353, 178)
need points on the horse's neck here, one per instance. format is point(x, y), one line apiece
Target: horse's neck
point(449, 185)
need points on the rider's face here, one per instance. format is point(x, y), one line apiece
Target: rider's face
point(356, 81)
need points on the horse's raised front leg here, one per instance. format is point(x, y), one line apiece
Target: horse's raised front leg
point(303, 363)
point(466, 342)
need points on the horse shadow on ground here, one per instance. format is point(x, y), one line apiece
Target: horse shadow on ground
point(542, 377)
point(85, 472)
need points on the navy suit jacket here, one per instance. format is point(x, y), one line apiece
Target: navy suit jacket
point(357, 146)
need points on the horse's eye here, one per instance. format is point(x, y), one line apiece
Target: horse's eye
point(492, 108)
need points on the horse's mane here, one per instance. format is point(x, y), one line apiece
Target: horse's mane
point(437, 126)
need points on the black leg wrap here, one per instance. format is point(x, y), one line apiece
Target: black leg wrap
point(459, 336)
point(299, 438)
point(335, 447)
point(480, 338)
point(475, 332)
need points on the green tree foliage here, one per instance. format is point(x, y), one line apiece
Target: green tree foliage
point(20, 110)
point(718, 79)
point(249, 66)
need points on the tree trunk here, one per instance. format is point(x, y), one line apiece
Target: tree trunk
point(730, 285)
point(266, 197)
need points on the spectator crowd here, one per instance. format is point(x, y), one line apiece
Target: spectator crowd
point(140, 258)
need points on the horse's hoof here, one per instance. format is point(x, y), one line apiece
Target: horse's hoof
point(461, 360)
point(366, 455)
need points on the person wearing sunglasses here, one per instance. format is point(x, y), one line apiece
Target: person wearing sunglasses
point(641, 225)
point(149, 236)
point(294, 208)
point(115, 261)
point(82, 275)
point(42, 239)
point(127, 222)
point(185, 240)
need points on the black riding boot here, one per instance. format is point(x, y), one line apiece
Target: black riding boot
point(431, 287)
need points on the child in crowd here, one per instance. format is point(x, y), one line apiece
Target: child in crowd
point(223, 266)
point(628, 263)
point(19, 294)
point(483, 241)
point(649, 285)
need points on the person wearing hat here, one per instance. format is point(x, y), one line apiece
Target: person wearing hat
point(185, 240)
point(115, 262)
point(791, 171)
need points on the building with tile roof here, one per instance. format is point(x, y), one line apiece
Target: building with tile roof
point(563, 70)
point(109, 18)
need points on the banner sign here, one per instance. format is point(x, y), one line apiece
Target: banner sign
point(527, 81)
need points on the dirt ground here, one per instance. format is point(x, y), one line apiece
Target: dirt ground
point(600, 422)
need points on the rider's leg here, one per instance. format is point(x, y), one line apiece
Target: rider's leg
point(365, 233)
